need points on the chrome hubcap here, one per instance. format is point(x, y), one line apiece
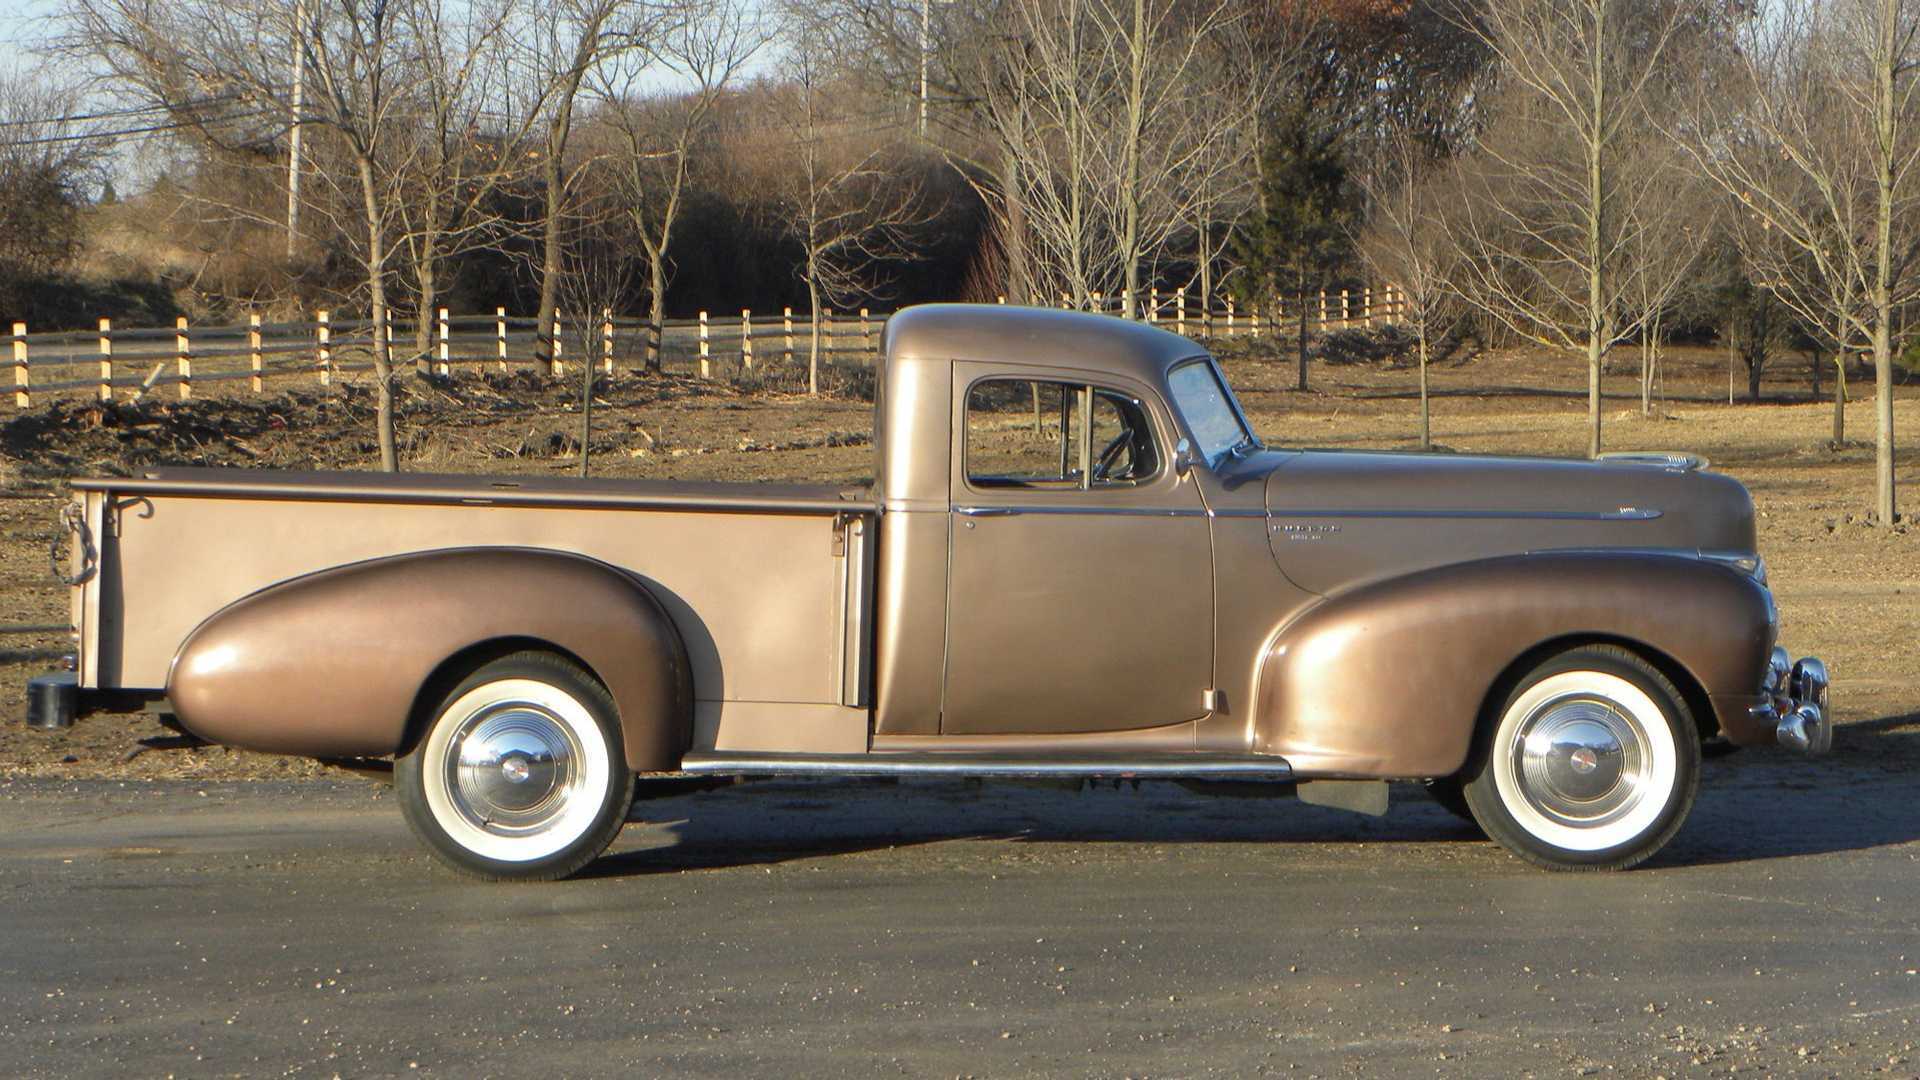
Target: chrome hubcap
point(1581, 762)
point(514, 769)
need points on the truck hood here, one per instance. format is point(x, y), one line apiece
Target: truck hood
point(1341, 518)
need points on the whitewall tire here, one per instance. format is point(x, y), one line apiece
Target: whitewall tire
point(1591, 762)
point(519, 773)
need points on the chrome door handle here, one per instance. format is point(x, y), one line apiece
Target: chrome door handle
point(986, 511)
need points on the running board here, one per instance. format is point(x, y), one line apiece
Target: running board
point(1173, 766)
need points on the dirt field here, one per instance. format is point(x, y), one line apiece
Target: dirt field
point(1847, 591)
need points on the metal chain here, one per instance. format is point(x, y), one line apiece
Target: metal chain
point(73, 520)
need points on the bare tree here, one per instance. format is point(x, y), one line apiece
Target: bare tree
point(1407, 242)
point(564, 42)
point(659, 134)
point(1676, 223)
point(596, 275)
point(1814, 129)
point(203, 61)
point(1550, 232)
point(836, 201)
point(47, 163)
point(471, 134)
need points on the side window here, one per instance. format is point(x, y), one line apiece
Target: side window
point(1122, 440)
point(1035, 434)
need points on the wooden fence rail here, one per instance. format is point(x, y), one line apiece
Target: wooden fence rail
point(140, 359)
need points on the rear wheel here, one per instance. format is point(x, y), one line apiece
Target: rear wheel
point(1591, 763)
point(520, 773)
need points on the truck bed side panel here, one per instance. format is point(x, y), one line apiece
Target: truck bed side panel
point(757, 597)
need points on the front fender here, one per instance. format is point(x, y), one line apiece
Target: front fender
point(330, 664)
point(1389, 680)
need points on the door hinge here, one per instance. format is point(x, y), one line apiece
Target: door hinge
point(1213, 700)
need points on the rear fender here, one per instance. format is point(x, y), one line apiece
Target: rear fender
point(1389, 680)
point(331, 664)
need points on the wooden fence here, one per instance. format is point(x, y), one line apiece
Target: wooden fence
point(98, 362)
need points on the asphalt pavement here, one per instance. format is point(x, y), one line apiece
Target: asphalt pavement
point(951, 929)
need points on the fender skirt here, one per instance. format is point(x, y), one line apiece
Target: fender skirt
point(332, 664)
point(1389, 680)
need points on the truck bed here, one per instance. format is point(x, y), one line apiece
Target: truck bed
point(769, 585)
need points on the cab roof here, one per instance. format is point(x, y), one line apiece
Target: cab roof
point(1050, 337)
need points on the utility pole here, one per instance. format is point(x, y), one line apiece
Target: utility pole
point(926, 20)
point(293, 136)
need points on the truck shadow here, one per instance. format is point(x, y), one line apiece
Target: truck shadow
point(1754, 805)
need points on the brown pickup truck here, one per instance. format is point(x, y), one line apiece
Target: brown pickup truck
point(1075, 560)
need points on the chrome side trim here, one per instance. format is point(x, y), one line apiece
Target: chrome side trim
point(1625, 513)
point(1076, 511)
point(1171, 766)
point(346, 489)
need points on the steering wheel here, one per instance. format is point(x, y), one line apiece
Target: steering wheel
point(1110, 454)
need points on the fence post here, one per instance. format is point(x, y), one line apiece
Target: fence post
point(746, 338)
point(1323, 311)
point(606, 340)
point(556, 366)
point(106, 359)
point(706, 369)
point(1229, 316)
point(446, 366)
point(1253, 319)
point(1366, 306)
point(256, 361)
point(1000, 299)
point(22, 394)
point(866, 332)
point(787, 322)
point(1126, 303)
point(1066, 301)
point(826, 338)
point(183, 357)
point(324, 330)
point(1346, 312)
point(500, 334)
point(1153, 304)
point(1180, 310)
point(1099, 302)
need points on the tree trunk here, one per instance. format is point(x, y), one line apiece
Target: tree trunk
point(377, 293)
point(1426, 429)
point(545, 333)
point(1014, 239)
point(813, 350)
point(1756, 366)
point(1839, 398)
point(1300, 305)
point(656, 309)
point(1595, 238)
point(1595, 357)
point(429, 314)
point(586, 408)
point(1888, 60)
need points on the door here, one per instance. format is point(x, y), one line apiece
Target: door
point(1081, 578)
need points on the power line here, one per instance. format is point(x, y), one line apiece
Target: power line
point(120, 114)
point(48, 140)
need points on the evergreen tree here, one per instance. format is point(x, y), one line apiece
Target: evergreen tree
point(1300, 236)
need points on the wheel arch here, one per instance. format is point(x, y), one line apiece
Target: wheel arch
point(1692, 693)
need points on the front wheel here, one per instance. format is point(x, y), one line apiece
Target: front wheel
point(519, 774)
point(1590, 763)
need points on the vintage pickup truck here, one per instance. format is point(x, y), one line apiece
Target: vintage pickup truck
point(1075, 560)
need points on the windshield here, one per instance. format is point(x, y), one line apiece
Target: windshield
point(1209, 410)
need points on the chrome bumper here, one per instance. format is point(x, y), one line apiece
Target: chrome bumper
point(1796, 703)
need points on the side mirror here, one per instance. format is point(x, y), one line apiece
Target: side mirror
point(1182, 457)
